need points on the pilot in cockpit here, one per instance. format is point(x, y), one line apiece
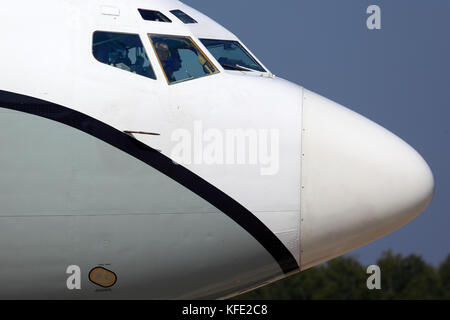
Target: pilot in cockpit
point(171, 62)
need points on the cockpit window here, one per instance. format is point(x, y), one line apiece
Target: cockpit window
point(180, 58)
point(151, 15)
point(232, 55)
point(123, 51)
point(185, 18)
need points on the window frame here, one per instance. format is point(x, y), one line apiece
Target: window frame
point(114, 67)
point(149, 35)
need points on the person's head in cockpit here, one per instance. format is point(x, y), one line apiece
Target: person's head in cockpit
point(168, 61)
point(163, 51)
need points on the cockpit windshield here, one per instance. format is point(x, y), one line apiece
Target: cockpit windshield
point(232, 55)
point(180, 58)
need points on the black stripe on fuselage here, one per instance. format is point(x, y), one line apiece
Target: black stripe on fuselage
point(157, 160)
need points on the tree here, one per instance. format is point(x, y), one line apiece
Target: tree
point(342, 278)
point(407, 278)
point(345, 279)
point(444, 275)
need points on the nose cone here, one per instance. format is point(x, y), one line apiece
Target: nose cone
point(359, 181)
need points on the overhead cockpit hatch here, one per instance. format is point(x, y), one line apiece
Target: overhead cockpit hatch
point(185, 18)
point(151, 15)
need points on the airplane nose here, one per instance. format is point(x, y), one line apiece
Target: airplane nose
point(359, 181)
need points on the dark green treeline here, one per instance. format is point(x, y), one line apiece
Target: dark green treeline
point(407, 277)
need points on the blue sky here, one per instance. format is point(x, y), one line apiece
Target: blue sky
point(398, 76)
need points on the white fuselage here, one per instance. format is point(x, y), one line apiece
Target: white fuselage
point(77, 190)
